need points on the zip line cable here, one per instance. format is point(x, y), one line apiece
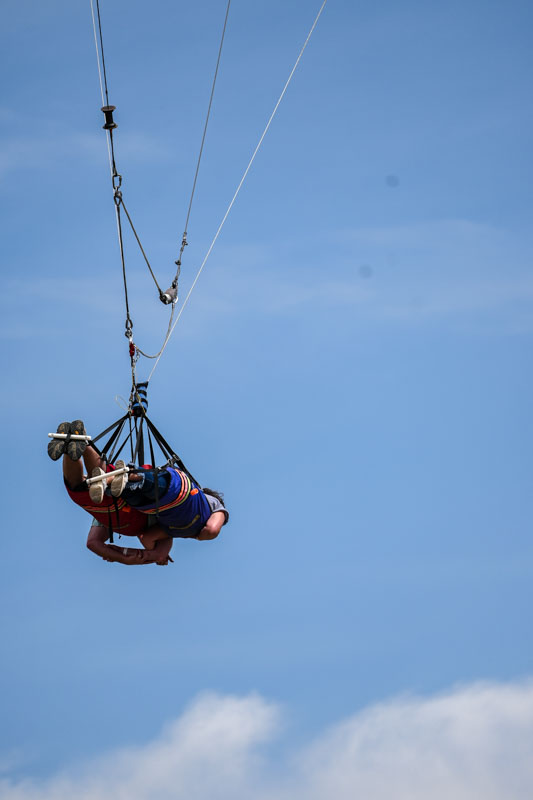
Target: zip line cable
point(171, 293)
point(116, 178)
point(246, 171)
point(185, 228)
point(100, 72)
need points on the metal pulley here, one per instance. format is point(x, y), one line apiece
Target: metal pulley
point(109, 121)
point(170, 296)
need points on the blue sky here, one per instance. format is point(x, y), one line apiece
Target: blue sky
point(353, 370)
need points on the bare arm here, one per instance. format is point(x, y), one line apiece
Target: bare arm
point(96, 542)
point(212, 527)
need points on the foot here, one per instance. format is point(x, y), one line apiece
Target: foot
point(97, 490)
point(56, 448)
point(119, 481)
point(76, 447)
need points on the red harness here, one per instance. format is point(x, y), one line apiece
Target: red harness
point(112, 512)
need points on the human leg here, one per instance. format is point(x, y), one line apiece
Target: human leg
point(92, 460)
point(72, 472)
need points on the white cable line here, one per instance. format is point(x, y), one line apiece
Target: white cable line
point(97, 54)
point(101, 84)
point(238, 187)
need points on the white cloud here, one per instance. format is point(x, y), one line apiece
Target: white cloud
point(470, 743)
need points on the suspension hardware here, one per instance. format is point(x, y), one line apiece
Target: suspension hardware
point(110, 123)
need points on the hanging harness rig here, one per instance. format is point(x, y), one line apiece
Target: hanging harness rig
point(135, 424)
point(136, 414)
point(135, 430)
point(171, 294)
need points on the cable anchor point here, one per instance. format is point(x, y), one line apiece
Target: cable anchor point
point(110, 123)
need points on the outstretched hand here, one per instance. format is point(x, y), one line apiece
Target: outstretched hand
point(135, 555)
point(96, 542)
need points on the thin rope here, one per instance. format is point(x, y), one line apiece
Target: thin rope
point(101, 82)
point(108, 138)
point(207, 116)
point(167, 337)
point(224, 218)
point(102, 50)
point(97, 54)
point(184, 241)
point(110, 132)
point(132, 226)
point(117, 195)
point(129, 323)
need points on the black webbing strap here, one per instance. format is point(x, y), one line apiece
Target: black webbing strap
point(136, 439)
point(167, 450)
point(140, 443)
point(152, 456)
point(156, 492)
point(116, 427)
point(110, 524)
point(120, 449)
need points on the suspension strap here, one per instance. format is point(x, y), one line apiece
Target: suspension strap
point(110, 524)
point(116, 425)
point(166, 449)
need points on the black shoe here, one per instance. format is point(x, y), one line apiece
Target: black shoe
point(76, 447)
point(56, 448)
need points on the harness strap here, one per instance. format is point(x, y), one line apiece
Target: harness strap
point(110, 523)
point(152, 456)
point(165, 447)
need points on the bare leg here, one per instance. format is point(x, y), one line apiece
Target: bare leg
point(72, 471)
point(92, 459)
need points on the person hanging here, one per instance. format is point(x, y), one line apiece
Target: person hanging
point(131, 511)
